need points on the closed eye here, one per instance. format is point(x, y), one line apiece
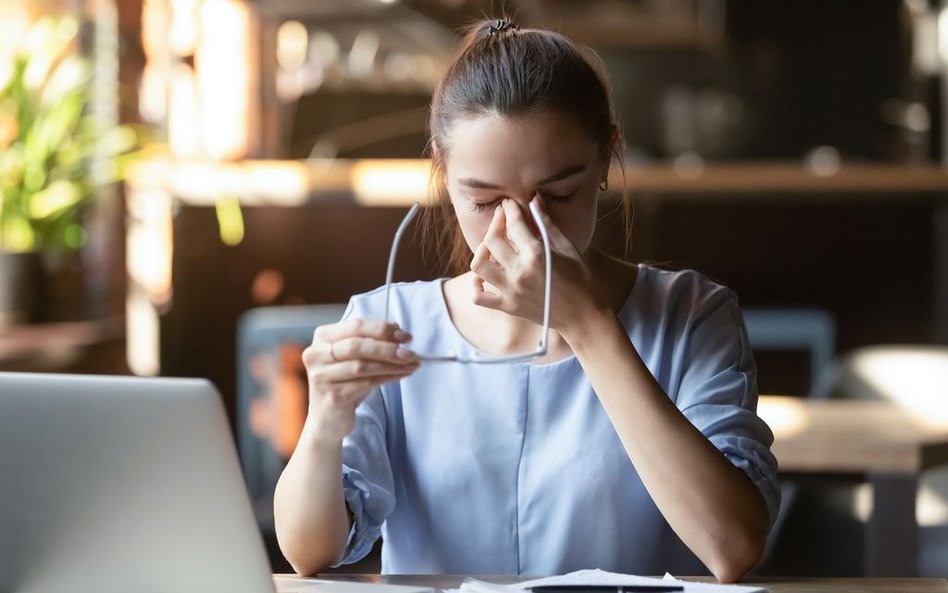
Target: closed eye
point(483, 206)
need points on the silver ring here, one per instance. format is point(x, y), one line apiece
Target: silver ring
point(331, 354)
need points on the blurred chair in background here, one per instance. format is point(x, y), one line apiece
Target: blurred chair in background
point(812, 331)
point(272, 398)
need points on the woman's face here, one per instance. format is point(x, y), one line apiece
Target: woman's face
point(492, 157)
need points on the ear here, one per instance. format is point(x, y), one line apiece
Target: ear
point(608, 153)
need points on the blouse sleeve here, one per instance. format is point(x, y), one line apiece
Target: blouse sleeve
point(366, 471)
point(718, 392)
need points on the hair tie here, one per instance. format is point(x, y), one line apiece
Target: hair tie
point(501, 26)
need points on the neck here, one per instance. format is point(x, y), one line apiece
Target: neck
point(512, 333)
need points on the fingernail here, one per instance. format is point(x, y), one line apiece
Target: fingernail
point(402, 335)
point(404, 353)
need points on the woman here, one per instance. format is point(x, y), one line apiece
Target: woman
point(634, 434)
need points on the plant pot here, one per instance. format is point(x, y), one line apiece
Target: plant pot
point(19, 278)
point(60, 294)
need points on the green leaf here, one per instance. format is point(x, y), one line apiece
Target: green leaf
point(18, 235)
point(51, 143)
point(75, 236)
point(61, 195)
point(230, 220)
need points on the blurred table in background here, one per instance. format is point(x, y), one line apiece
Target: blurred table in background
point(886, 444)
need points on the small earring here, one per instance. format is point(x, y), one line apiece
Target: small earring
point(604, 185)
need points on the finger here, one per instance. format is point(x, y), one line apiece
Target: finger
point(518, 229)
point(359, 390)
point(485, 298)
point(318, 353)
point(370, 328)
point(496, 240)
point(559, 242)
point(370, 384)
point(485, 268)
point(481, 255)
point(370, 349)
point(356, 370)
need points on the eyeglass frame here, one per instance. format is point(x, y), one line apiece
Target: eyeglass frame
point(479, 357)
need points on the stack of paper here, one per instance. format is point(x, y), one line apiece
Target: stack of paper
point(601, 577)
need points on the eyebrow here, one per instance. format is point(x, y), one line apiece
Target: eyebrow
point(567, 172)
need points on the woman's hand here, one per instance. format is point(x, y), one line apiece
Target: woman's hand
point(344, 363)
point(509, 270)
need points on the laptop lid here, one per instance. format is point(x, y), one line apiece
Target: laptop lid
point(118, 484)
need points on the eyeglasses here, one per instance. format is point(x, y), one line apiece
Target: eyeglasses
point(480, 357)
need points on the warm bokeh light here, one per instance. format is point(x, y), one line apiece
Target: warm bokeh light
point(915, 378)
point(153, 96)
point(183, 31)
point(182, 116)
point(785, 416)
point(392, 182)
point(292, 45)
point(148, 262)
point(14, 24)
point(362, 54)
point(267, 286)
point(149, 242)
point(143, 336)
point(200, 75)
point(222, 65)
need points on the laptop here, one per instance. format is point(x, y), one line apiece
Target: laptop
point(119, 484)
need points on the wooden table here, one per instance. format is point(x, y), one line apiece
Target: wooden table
point(775, 585)
point(886, 444)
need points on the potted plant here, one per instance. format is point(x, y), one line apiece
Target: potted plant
point(54, 157)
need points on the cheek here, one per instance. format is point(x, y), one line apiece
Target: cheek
point(473, 226)
point(577, 221)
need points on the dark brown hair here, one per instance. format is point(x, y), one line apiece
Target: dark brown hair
point(509, 71)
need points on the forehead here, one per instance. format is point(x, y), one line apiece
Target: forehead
point(522, 147)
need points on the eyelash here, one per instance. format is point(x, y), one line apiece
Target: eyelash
point(481, 207)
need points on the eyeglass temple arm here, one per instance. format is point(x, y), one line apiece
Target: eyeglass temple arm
point(390, 272)
point(548, 276)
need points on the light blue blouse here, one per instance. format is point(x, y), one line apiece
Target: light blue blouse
point(515, 468)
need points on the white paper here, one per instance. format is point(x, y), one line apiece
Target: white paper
point(601, 577)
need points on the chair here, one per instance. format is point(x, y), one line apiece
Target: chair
point(272, 393)
point(809, 330)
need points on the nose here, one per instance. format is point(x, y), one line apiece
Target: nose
point(527, 214)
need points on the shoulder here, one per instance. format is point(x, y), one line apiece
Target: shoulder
point(672, 304)
point(420, 294)
point(682, 292)
point(688, 328)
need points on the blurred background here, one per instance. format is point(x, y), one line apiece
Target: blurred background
point(190, 186)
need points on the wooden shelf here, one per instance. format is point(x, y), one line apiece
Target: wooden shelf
point(751, 179)
point(399, 182)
